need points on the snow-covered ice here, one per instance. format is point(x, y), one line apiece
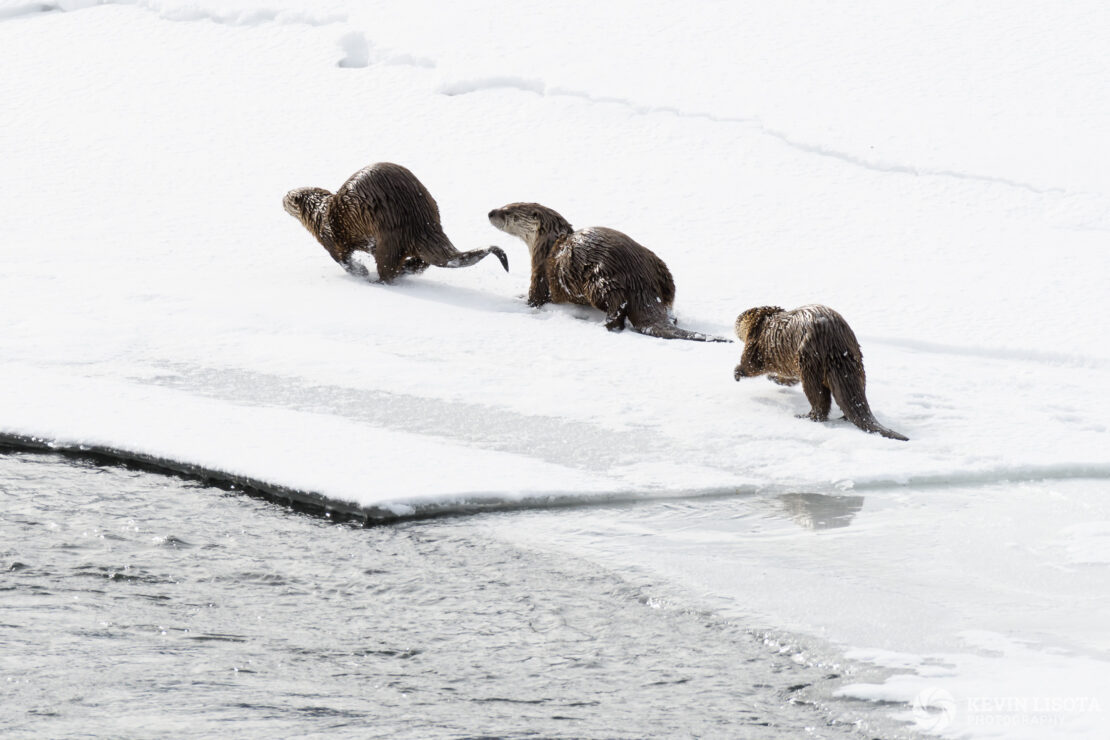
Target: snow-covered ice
point(936, 173)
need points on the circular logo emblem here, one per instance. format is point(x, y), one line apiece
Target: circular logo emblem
point(934, 709)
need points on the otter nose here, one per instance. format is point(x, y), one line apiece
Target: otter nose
point(493, 213)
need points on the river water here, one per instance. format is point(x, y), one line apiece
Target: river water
point(134, 604)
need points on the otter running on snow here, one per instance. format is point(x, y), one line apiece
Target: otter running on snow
point(596, 267)
point(815, 345)
point(384, 210)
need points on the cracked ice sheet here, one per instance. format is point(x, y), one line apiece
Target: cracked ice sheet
point(146, 256)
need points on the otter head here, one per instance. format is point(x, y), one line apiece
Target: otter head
point(751, 321)
point(531, 222)
point(303, 203)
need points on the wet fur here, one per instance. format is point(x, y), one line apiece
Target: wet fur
point(596, 267)
point(812, 344)
point(384, 210)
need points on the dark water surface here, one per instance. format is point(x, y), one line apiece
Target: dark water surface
point(139, 605)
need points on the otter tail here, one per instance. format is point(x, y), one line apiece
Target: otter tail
point(466, 259)
point(656, 321)
point(848, 391)
point(667, 330)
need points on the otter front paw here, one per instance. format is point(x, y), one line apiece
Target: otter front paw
point(782, 380)
point(739, 373)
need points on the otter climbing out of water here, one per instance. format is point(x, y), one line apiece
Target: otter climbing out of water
point(815, 345)
point(596, 267)
point(384, 210)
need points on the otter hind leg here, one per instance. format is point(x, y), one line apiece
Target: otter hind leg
point(817, 392)
point(389, 257)
point(413, 265)
point(615, 316)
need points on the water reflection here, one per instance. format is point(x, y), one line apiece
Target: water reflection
point(821, 511)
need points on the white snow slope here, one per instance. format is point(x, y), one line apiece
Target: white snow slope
point(937, 172)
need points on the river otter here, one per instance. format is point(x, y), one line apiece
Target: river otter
point(596, 267)
point(384, 210)
point(813, 344)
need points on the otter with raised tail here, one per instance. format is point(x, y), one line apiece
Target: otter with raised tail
point(596, 267)
point(384, 210)
point(815, 345)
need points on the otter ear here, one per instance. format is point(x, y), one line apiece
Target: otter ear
point(754, 318)
point(767, 311)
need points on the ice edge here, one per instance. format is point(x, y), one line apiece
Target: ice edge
point(477, 502)
point(315, 502)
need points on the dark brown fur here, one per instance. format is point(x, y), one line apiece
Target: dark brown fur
point(382, 209)
point(596, 267)
point(815, 345)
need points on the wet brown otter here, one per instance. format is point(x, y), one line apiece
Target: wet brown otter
point(596, 267)
point(815, 345)
point(384, 210)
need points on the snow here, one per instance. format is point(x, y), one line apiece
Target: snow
point(996, 704)
point(937, 174)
